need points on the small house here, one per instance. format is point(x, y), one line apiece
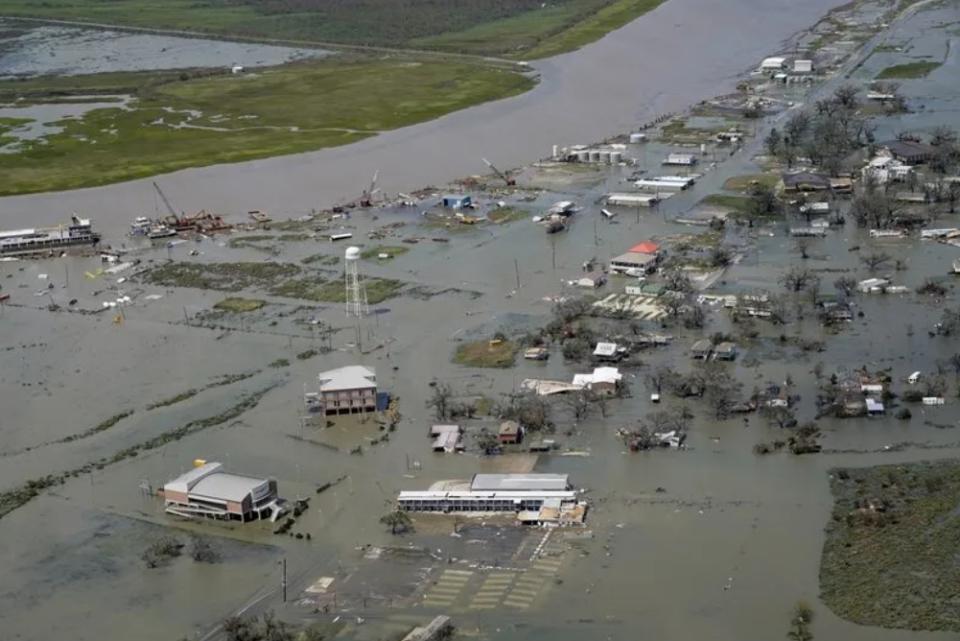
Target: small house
point(701, 350)
point(841, 184)
point(805, 181)
point(542, 445)
point(603, 380)
point(909, 151)
point(536, 354)
point(773, 63)
point(510, 433)
point(885, 168)
point(457, 201)
point(609, 352)
point(680, 160)
point(593, 280)
point(874, 407)
point(447, 438)
point(852, 405)
point(803, 66)
point(725, 351)
point(562, 208)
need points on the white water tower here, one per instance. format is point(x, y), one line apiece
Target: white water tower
point(356, 292)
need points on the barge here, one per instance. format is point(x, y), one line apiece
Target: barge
point(25, 241)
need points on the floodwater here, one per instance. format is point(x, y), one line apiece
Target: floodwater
point(722, 553)
point(71, 50)
point(682, 52)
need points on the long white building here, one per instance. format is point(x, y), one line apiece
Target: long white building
point(491, 493)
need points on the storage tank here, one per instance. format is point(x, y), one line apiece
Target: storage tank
point(616, 157)
point(638, 138)
point(583, 155)
point(594, 156)
point(604, 156)
point(556, 152)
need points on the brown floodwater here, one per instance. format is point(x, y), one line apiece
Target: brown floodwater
point(724, 552)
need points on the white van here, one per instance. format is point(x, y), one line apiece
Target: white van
point(914, 378)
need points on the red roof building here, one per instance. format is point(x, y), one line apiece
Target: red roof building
point(645, 247)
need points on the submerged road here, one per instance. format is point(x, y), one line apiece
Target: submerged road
point(682, 52)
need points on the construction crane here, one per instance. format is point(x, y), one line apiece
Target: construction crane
point(504, 177)
point(366, 199)
point(163, 197)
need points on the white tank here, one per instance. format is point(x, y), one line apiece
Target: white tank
point(594, 156)
point(556, 152)
point(352, 253)
point(616, 157)
point(637, 138)
point(583, 156)
point(604, 156)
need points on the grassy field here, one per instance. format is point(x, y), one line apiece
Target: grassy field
point(735, 204)
point(470, 26)
point(908, 70)
point(241, 117)
point(239, 305)
point(483, 353)
point(593, 27)
point(391, 251)
point(746, 181)
point(890, 555)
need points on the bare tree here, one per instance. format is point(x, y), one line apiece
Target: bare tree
point(845, 286)
point(678, 281)
point(875, 261)
point(803, 246)
point(579, 403)
point(777, 307)
point(773, 142)
point(721, 390)
point(797, 279)
point(656, 379)
point(873, 207)
point(694, 318)
point(440, 400)
point(763, 201)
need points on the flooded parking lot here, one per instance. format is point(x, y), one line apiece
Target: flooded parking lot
point(709, 541)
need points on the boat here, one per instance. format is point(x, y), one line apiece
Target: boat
point(140, 226)
point(24, 241)
point(159, 231)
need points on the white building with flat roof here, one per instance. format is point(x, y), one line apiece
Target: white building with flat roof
point(493, 493)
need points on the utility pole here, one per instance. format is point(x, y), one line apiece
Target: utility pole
point(283, 580)
point(516, 268)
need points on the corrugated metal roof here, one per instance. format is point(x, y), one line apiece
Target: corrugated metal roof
point(519, 482)
point(227, 487)
point(347, 378)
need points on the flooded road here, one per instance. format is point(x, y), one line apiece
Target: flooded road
point(682, 52)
